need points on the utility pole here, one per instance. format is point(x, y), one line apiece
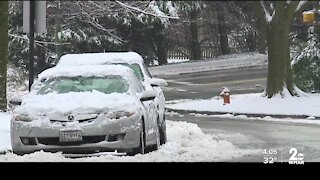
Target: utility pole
point(34, 21)
point(31, 44)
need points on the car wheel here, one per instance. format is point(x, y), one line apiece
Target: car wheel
point(163, 132)
point(19, 153)
point(157, 144)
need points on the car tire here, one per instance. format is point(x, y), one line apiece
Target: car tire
point(158, 143)
point(19, 153)
point(163, 132)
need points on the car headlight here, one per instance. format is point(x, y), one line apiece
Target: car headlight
point(21, 117)
point(119, 114)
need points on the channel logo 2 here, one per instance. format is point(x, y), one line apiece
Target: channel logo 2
point(296, 158)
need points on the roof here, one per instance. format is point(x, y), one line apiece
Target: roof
point(86, 71)
point(99, 58)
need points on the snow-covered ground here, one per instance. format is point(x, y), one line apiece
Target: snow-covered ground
point(186, 143)
point(5, 143)
point(306, 105)
point(172, 61)
point(221, 62)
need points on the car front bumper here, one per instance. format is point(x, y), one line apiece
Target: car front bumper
point(98, 135)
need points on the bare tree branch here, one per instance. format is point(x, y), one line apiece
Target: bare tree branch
point(39, 42)
point(144, 12)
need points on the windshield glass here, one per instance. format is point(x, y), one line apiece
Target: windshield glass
point(107, 85)
point(136, 69)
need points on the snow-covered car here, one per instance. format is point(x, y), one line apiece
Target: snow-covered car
point(132, 60)
point(86, 109)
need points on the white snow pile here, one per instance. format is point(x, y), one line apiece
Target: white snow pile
point(309, 120)
point(254, 104)
point(223, 62)
point(5, 143)
point(172, 61)
point(99, 58)
point(186, 143)
point(86, 71)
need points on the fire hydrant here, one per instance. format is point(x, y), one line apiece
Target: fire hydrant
point(225, 93)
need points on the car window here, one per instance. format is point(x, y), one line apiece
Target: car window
point(147, 70)
point(137, 84)
point(107, 85)
point(136, 69)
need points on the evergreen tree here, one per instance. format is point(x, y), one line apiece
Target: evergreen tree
point(3, 54)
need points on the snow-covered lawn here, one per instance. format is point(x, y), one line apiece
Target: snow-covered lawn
point(172, 61)
point(308, 105)
point(222, 62)
point(186, 143)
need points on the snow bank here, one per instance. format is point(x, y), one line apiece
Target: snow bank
point(5, 143)
point(186, 143)
point(172, 61)
point(223, 62)
point(254, 104)
point(309, 120)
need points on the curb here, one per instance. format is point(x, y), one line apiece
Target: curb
point(247, 114)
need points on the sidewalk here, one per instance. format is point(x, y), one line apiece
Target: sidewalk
point(253, 105)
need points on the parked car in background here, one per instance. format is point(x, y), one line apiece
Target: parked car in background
point(132, 60)
point(86, 109)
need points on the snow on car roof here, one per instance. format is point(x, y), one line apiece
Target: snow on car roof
point(85, 71)
point(99, 58)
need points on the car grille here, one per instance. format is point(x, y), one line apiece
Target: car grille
point(80, 121)
point(85, 140)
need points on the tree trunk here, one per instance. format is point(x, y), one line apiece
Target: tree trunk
point(279, 69)
point(195, 49)
point(162, 51)
point(41, 60)
point(222, 28)
point(3, 54)
point(277, 30)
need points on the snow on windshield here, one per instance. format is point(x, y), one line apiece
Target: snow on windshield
point(91, 98)
point(107, 85)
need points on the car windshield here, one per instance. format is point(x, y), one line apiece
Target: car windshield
point(136, 69)
point(107, 85)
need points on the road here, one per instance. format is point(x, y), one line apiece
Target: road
point(257, 134)
point(210, 83)
point(278, 137)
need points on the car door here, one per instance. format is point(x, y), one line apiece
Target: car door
point(158, 90)
point(150, 113)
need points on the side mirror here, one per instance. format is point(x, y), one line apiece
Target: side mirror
point(158, 82)
point(15, 101)
point(147, 96)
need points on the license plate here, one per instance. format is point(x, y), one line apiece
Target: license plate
point(67, 136)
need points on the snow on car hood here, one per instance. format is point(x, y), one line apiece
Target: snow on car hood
point(76, 103)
